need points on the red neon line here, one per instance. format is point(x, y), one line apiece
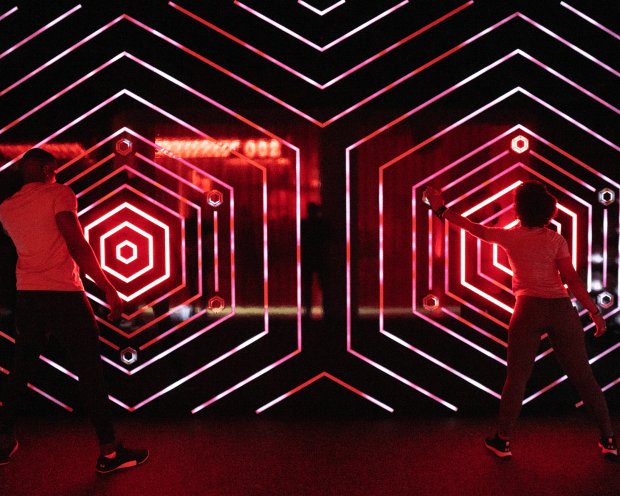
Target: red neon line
point(357, 391)
point(321, 12)
point(45, 395)
point(381, 290)
point(109, 343)
point(265, 253)
point(573, 177)
point(216, 267)
point(313, 45)
point(82, 174)
point(6, 14)
point(611, 384)
point(38, 32)
point(290, 393)
point(590, 20)
point(302, 76)
point(544, 390)
point(413, 258)
point(442, 365)
point(94, 147)
point(6, 336)
point(179, 178)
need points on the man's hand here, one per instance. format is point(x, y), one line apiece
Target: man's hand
point(601, 326)
point(115, 302)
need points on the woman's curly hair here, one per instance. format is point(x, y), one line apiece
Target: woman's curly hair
point(534, 205)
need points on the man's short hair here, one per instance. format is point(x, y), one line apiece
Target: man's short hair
point(38, 156)
point(534, 205)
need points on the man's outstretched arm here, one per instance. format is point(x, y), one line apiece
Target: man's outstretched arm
point(83, 254)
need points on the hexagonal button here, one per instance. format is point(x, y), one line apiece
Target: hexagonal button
point(129, 356)
point(431, 302)
point(605, 299)
point(124, 147)
point(215, 198)
point(606, 196)
point(217, 304)
point(520, 144)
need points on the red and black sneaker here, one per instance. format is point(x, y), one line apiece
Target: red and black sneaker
point(499, 446)
point(124, 458)
point(608, 445)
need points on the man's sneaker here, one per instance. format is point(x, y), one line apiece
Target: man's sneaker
point(124, 458)
point(608, 445)
point(5, 455)
point(499, 446)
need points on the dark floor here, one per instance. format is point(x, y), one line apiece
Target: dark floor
point(206, 456)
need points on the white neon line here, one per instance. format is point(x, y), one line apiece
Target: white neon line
point(492, 198)
point(545, 389)
point(442, 365)
point(381, 280)
point(51, 398)
point(557, 167)
point(473, 171)
point(321, 12)
point(314, 45)
point(38, 32)
point(460, 338)
point(291, 392)
point(245, 381)
point(58, 367)
point(403, 380)
point(215, 254)
point(603, 389)
point(6, 14)
point(590, 20)
point(475, 327)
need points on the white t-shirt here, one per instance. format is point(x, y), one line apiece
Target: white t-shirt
point(29, 218)
point(532, 254)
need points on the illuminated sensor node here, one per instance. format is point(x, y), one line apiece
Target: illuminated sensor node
point(129, 356)
point(520, 144)
point(605, 299)
point(217, 304)
point(606, 196)
point(124, 147)
point(214, 197)
point(128, 248)
point(431, 302)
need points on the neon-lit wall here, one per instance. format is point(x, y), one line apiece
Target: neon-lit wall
point(196, 134)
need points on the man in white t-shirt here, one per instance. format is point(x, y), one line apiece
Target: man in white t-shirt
point(41, 219)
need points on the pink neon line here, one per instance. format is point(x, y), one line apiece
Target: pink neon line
point(574, 159)
point(590, 20)
point(430, 250)
point(180, 179)
point(36, 33)
point(493, 281)
point(459, 337)
point(216, 267)
point(59, 56)
point(59, 94)
point(473, 171)
point(573, 177)
point(543, 354)
point(6, 14)
point(94, 147)
point(545, 389)
point(413, 258)
point(605, 230)
point(357, 391)
point(475, 327)
point(381, 260)
point(6, 336)
point(442, 365)
point(265, 253)
point(313, 45)
point(403, 380)
point(337, 78)
point(51, 398)
point(566, 80)
point(570, 45)
point(245, 381)
point(574, 234)
point(611, 384)
point(321, 12)
point(72, 180)
point(58, 367)
point(170, 331)
point(120, 403)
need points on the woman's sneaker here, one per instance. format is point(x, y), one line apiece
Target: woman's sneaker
point(499, 446)
point(124, 458)
point(608, 445)
point(5, 454)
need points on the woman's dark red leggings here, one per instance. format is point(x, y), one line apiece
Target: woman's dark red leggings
point(533, 317)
